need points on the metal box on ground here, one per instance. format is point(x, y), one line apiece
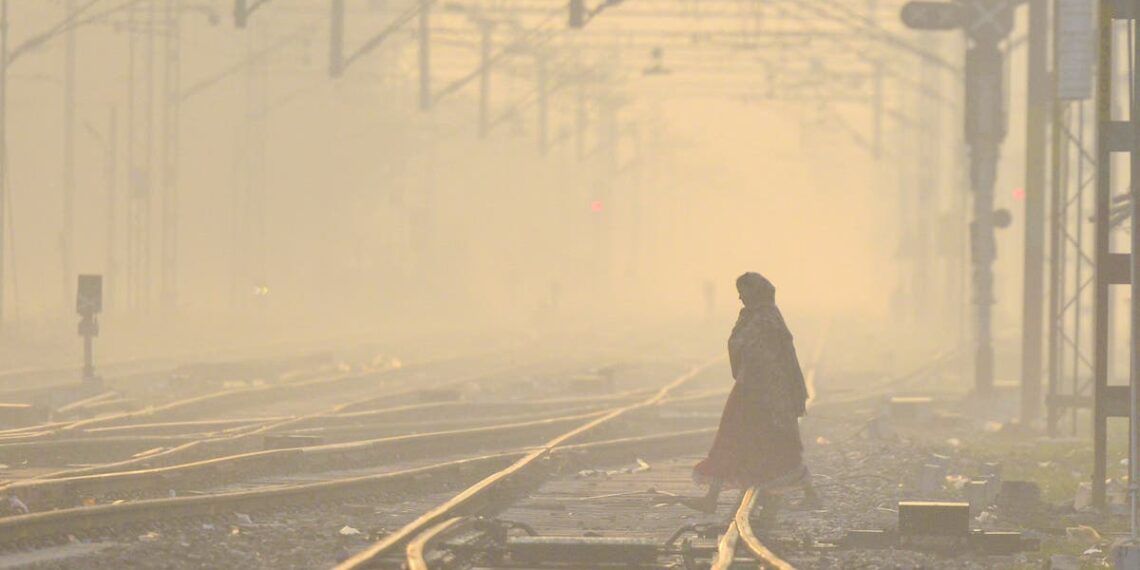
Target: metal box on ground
point(911, 408)
point(594, 551)
point(929, 518)
point(1019, 496)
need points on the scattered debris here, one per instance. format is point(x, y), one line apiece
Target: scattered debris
point(1084, 535)
point(17, 506)
point(348, 531)
point(642, 466)
point(150, 536)
point(957, 482)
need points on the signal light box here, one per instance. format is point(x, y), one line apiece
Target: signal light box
point(89, 295)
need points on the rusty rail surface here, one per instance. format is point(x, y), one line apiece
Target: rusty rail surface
point(418, 546)
point(741, 531)
point(73, 521)
point(236, 466)
point(481, 490)
point(233, 435)
point(70, 521)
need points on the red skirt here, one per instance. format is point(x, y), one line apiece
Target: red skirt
point(754, 445)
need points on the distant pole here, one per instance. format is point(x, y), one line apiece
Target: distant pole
point(1134, 354)
point(985, 130)
point(581, 120)
point(425, 55)
point(146, 243)
point(543, 103)
point(67, 235)
point(1033, 286)
point(3, 148)
point(877, 110)
point(171, 129)
point(129, 238)
point(336, 38)
point(111, 173)
point(484, 78)
point(877, 95)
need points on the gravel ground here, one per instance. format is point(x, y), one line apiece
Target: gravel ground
point(860, 479)
point(310, 537)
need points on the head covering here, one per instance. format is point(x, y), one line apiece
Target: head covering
point(755, 289)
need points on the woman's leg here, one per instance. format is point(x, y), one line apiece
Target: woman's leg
point(707, 503)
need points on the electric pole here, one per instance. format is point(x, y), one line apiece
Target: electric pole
point(1035, 190)
point(986, 23)
point(171, 115)
point(67, 235)
point(425, 55)
point(486, 29)
point(543, 120)
point(3, 151)
point(111, 173)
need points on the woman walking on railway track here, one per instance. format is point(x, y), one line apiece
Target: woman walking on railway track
point(758, 441)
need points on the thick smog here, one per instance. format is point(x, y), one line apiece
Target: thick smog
point(570, 284)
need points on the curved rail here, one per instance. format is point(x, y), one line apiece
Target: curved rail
point(416, 548)
point(741, 531)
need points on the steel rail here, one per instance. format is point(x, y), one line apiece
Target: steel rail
point(177, 476)
point(418, 546)
point(234, 435)
point(78, 519)
point(326, 422)
point(765, 557)
point(74, 521)
point(487, 486)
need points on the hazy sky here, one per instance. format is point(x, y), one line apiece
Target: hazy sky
point(373, 209)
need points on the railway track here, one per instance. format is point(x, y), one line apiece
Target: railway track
point(242, 437)
point(426, 483)
point(410, 546)
point(471, 499)
point(437, 473)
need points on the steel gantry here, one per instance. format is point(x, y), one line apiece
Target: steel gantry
point(1090, 203)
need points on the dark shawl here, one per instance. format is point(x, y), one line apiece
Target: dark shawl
point(762, 355)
